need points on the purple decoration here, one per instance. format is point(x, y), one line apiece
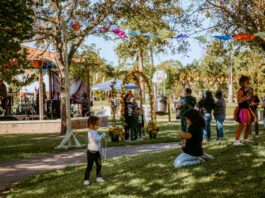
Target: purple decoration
point(181, 36)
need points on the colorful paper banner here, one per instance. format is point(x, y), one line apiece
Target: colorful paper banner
point(225, 38)
point(135, 33)
point(261, 34)
point(120, 33)
point(181, 36)
point(201, 39)
point(148, 34)
point(244, 37)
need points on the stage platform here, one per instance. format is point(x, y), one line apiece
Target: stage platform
point(44, 126)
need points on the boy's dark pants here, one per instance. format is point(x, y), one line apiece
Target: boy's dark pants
point(134, 133)
point(91, 158)
point(141, 127)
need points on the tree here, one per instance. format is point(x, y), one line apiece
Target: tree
point(16, 19)
point(48, 18)
point(156, 17)
point(237, 17)
point(214, 66)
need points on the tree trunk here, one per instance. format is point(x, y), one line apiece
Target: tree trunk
point(63, 103)
point(141, 68)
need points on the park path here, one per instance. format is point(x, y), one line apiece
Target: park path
point(12, 171)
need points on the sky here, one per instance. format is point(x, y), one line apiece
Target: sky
point(107, 51)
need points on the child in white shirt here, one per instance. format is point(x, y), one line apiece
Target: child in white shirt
point(93, 147)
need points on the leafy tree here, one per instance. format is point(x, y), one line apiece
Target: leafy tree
point(48, 18)
point(156, 17)
point(16, 19)
point(236, 17)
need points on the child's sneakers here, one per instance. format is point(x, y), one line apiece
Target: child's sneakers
point(237, 143)
point(86, 182)
point(247, 140)
point(100, 180)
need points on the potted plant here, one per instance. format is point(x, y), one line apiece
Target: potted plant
point(152, 129)
point(115, 132)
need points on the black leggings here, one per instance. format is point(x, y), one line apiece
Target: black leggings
point(91, 158)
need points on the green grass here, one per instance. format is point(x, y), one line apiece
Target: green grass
point(235, 172)
point(30, 145)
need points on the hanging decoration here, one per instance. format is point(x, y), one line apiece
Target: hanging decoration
point(148, 34)
point(202, 39)
point(103, 28)
point(135, 33)
point(75, 26)
point(165, 35)
point(244, 37)
point(261, 34)
point(225, 38)
point(120, 33)
point(182, 36)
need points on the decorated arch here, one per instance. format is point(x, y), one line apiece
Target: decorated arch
point(137, 77)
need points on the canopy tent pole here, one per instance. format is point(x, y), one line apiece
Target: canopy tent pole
point(50, 92)
point(41, 113)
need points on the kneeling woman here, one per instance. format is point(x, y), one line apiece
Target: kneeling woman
point(192, 150)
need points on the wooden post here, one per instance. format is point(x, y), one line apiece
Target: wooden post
point(169, 116)
point(50, 92)
point(41, 114)
point(88, 86)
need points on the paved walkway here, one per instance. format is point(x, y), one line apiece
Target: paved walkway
point(12, 171)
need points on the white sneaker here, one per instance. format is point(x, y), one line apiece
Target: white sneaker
point(237, 143)
point(86, 182)
point(247, 140)
point(100, 180)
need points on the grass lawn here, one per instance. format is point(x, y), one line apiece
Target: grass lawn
point(235, 172)
point(30, 145)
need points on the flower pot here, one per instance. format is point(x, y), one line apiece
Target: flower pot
point(152, 135)
point(115, 138)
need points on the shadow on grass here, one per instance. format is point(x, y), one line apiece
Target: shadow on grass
point(235, 172)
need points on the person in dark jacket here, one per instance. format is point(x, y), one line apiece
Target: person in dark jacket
point(254, 106)
point(128, 111)
point(206, 105)
point(219, 115)
point(186, 103)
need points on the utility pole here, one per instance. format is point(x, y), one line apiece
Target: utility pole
point(69, 133)
point(230, 76)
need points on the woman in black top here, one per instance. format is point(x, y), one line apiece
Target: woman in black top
point(206, 106)
point(192, 150)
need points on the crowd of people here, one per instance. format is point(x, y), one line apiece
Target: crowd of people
point(196, 120)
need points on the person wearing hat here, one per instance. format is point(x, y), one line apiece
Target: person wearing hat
point(254, 106)
point(219, 114)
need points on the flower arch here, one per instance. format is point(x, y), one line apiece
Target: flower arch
point(134, 75)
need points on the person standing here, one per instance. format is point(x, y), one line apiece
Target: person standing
point(254, 106)
point(128, 110)
point(186, 102)
point(3, 96)
point(206, 105)
point(243, 114)
point(219, 115)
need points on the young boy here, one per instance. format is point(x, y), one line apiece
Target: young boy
point(93, 147)
point(141, 122)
